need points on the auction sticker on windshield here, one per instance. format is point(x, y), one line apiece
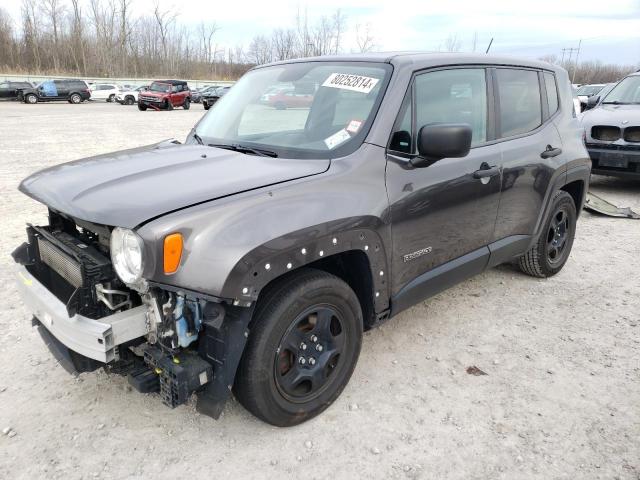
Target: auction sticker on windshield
point(356, 83)
point(336, 139)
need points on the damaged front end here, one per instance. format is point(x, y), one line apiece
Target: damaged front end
point(162, 338)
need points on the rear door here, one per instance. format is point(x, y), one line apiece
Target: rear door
point(443, 212)
point(62, 87)
point(530, 144)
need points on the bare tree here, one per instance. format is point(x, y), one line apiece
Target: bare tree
point(364, 38)
point(452, 43)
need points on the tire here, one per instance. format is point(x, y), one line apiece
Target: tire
point(553, 246)
point(187, 104)
point(206, 105)
point(272, 382)
point(111, 98)
point(30, 98)
point(75, 98)
point(141, 107)
point(129, 100)
point(280, 106)
point(168, 105)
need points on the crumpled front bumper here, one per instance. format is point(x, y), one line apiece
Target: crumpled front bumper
point(94, 339)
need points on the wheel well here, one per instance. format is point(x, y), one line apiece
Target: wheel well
point(576, 190)
point(352, 267)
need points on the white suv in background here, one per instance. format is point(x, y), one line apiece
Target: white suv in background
point(104, 91)
point(129, 96)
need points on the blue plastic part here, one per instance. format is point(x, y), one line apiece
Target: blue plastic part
point(185, 338)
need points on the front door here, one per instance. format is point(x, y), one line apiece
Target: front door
point(443, 211)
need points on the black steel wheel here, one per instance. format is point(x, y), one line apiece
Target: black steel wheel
point(551, 251)
point(168, 105)
point(304, 344)
point(142, 107)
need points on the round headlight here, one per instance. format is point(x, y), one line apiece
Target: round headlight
point(126, 254)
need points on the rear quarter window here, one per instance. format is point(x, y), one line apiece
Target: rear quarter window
point(552, 92)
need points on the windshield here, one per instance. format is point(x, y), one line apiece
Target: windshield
point(299, 110)
point(589, 90)
point(627, 91)
point(160, 87)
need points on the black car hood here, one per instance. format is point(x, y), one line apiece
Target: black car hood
point(129, 187)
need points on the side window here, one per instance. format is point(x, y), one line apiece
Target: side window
point(552, 92)
point(453, 96)
point(520, 106)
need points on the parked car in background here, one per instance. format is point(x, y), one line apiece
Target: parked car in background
point(130, 96)
point(212, 95)
point(73, 91)
point(612, 129)
point(251, 258)
point(165, 95)
point(11, 90)
point(585, 91)
point(296, 97)
point(104, 91)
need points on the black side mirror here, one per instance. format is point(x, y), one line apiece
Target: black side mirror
point(592, 102)
point(442, 140)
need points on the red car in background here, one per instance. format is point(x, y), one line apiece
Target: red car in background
point(289, 99)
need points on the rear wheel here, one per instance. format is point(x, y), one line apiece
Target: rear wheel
point(75, 98)
point(187, 104)
point(280, 106)
point(552, 249)
point(305, 341)
point(30, 98)
point(111, 98)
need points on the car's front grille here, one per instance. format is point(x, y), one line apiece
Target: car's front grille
point(632, 134)
point(65, 266)
point(149, 99)
point(606, 133)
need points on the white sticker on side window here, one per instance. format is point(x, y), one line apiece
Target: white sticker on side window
point(356, 83)
point(336, 139)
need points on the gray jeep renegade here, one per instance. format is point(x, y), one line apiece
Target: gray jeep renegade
point(252, 257)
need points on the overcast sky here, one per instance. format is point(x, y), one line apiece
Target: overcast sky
point(609, 29)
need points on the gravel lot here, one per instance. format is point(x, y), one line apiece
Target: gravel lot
point(561, 398)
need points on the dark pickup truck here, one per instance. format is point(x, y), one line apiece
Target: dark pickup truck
point(252, 257)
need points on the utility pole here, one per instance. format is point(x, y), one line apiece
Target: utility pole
point(573, 78)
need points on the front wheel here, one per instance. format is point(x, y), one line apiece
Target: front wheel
point(142, 107)
point(304, 344)
point(206, 105)
point(551, 251)
point(111, 98)
point(129, 100)
point(168, 105)
point(187, 104)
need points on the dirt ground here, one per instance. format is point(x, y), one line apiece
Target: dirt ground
point(561, 398)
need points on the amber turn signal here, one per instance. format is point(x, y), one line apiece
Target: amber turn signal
point(172, 252)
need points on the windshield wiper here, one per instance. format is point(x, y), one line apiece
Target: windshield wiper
point(244, 149)
point(615, 102)
point(198, 138)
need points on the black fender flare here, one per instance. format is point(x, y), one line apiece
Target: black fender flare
point(289, 252)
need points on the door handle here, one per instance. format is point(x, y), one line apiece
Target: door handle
point(486, 171)
point(551, 152)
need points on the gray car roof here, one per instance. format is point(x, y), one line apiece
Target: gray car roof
point(425, 59)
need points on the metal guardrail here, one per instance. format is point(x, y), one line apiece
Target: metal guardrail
point(118, 81)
